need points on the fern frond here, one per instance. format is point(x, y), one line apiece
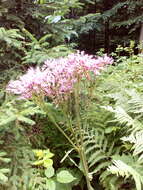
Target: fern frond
point(123, 117)
point(127, 169)
point(97, 150)
point(136, 103)
point(109, 181)
point(137, 141)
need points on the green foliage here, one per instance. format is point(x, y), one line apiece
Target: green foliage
point(136, 140)
point(61, 179)
point(44, 158)
point(4, 171)
point(107, 148)
point(127, 167)
point(97, 150)
point(40, 50)
point(65, 177)
point(10, 52)
point(31, 32)
point(109, 23)
point(10, 112)
point(125, 103)
point(11, 37)
point(91, 140)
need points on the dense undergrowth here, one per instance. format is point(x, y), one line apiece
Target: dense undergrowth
point(35, 155)
point(84, 132)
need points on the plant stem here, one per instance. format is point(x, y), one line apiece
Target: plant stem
point(69, 125)
point(59, 128)
point(48, 112)
point(85, 167)
point(81, 148)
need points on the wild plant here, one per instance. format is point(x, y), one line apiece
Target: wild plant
point(68, 83)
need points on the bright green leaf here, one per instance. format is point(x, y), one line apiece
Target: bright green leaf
point(65, 177)
point(50, 184)
point(37, 163)
point(49, 172)
point(3, 178)
point(47, 163)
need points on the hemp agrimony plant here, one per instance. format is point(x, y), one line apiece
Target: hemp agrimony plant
point(64, 81)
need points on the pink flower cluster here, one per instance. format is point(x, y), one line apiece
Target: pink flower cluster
point(57, 77)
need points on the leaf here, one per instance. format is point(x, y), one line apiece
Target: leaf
point(50, 184)
point(3, 177)
point(7, 120)
point(39, 153)
point(49, 172)
point(63, 186)
point(121, 168)
point(44, 38)
point(48, 163)
point(26, 120)
point(48, 154)
point(7, 160)
point(4, 170)
point(37, 163)
point(65, 177)
point(56, 19)
point(3, 154)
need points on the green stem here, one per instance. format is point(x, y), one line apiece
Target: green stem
point(77, 110)
point(81, 148)
point(85, 168)
point(69, 125)
point(59, 128)
point(48, 112)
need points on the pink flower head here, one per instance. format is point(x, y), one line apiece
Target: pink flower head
point(57, 77)
point(30, 83)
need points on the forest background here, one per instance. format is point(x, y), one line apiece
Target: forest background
point(32, 31)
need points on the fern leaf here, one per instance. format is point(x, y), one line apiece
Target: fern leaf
point(120, 168)
point(97, 151)
point(101, 166)
point(137, 140)
point(123, 117)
